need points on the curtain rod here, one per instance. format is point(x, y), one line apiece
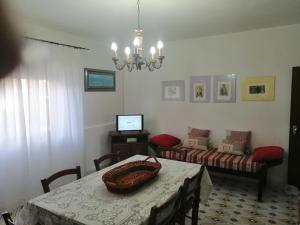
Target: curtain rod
point(56, 43)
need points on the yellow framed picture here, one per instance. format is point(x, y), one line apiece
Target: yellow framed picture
point(260, 88)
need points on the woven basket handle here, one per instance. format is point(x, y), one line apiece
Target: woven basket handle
point(150, 158)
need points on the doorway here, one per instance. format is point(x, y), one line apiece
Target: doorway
point(294, 144)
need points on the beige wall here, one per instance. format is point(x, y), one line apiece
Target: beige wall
point(100, 108)
point(271, 51)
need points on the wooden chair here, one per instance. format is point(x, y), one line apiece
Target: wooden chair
point(114, 158)
point(166, 213)
point(46, 181)
point(7, 218)
point(190, 198)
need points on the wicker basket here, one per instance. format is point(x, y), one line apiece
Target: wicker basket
point(129, 176)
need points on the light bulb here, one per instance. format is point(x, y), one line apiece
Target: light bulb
point(160, 45)
point(114, 46)
point(152, 50)
point(136, 42)
point(127, 52)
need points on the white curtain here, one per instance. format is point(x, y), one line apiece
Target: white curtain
point(41, 121)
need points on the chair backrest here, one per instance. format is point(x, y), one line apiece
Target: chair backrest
point(166, 213)
point(111, 157)
point(7, 218)
point(46, 181)
point(191, 191)
point(114, 158)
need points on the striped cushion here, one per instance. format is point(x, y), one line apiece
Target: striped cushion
point(173, 154)
point(223, 160)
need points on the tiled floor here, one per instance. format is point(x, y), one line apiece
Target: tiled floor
point(233, 202)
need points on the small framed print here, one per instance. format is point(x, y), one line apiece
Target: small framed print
point(99, 80)
point(225, 88)
point(258, 88)
point(173, 90)
point(200, 89)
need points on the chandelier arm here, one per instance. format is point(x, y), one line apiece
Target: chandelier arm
point(159, 60)
point(151, 69)
point(157, 64)
point(118, 65)
point(149, 65)
point(130, 67)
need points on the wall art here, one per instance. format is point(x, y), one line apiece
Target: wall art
point(200, 89)
point(173, 90)
point(224, 88)
point(99, 80)
point(260, 88)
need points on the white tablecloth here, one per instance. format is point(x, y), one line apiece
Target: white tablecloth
point(87, 201)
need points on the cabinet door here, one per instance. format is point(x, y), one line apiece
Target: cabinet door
point(294, 153)
point(140, 148)
point(124, 150)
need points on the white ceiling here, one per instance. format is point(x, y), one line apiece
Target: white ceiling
point(108, 20)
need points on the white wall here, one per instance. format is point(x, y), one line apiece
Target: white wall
point(100, 108)
point(271, 51)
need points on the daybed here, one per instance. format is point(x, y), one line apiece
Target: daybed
point(242, 165)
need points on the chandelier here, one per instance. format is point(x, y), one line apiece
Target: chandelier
point(136, 61)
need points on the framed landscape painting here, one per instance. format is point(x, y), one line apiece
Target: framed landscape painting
point(258, 88)
point(224, 88)
point(200, 89)
point(99, 80)
point(173, 90)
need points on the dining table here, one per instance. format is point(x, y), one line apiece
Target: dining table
point(87, 200)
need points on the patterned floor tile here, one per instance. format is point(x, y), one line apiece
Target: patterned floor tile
point(233, 202)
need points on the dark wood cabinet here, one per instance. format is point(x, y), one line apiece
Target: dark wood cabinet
point(129, 143)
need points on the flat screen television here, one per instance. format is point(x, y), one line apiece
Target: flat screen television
point(130, 122)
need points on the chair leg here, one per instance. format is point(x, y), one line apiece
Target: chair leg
point(180, 219)
point(195, 212)
point(262, 182)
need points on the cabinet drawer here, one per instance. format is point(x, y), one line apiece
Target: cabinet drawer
point(123, 149)
point(140, 148)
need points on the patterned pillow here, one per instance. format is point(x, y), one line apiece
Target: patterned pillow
point(196, 143)
point(195, 132)
point(231, 147)
point(240, 136)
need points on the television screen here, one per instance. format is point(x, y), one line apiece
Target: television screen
point(130, 122)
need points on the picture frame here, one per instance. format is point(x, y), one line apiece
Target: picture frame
point(99, 80)
point(224, 87)
point(200, 89)
point(173, 90)
point(258, 88)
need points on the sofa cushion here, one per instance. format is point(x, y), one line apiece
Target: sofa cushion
point(165, 140)
point(195, 132)
point(178, 154)
point(196, 143)
point(223, 160)
point(240, 136)
point(231, 147)
point(267, 153)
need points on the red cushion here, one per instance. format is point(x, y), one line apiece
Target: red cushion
point(165, 140)
point(267, 153)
